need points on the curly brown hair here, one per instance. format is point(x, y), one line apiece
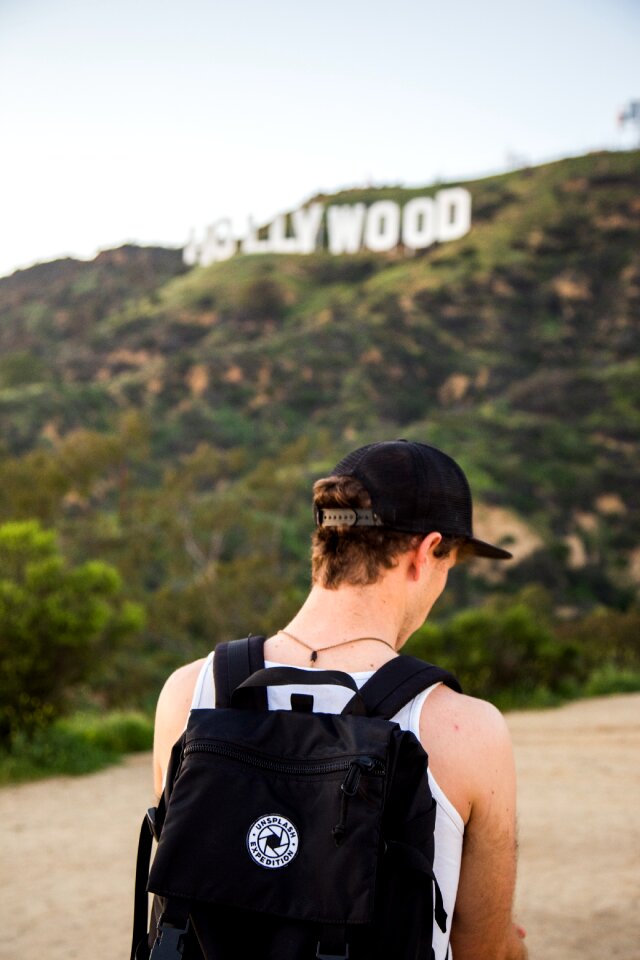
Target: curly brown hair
point(357, 555)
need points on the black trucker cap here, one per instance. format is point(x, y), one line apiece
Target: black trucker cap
point(414, 488)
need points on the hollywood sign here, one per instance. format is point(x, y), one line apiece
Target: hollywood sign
point(343, 228)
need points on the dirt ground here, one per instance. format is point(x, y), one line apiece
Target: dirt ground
point(68, 845)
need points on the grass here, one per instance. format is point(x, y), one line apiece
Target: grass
point(81, 743)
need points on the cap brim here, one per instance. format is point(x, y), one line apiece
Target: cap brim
point(481, 549)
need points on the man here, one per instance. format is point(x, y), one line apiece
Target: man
point(391, 521)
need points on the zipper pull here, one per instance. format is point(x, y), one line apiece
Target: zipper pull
point(352, 780)
point(349, 788)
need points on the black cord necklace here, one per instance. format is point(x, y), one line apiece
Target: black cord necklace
point(316, 650)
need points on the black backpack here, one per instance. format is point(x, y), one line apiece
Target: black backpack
point(293, 835)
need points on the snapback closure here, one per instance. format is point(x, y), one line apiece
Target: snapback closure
point(346, 517)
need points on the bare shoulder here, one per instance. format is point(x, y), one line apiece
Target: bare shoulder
point(174, 704)
point(480, 723)
point(465, 720)
point(181, 682)
point(469, 746)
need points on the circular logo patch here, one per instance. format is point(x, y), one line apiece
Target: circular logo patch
point(272, 841)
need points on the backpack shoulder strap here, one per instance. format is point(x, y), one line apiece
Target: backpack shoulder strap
point(233, 663)
point(399, 681)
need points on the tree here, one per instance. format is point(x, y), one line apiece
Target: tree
point(55, 621)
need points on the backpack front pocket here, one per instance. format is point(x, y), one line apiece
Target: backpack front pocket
point(275, 833)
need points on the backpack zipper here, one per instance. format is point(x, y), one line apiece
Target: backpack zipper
point(354, 766)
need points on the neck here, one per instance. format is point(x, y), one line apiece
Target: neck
point(350, 612)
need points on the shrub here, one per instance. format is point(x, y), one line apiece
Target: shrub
point(53, 618)
point(606, 637)
point(508, 655)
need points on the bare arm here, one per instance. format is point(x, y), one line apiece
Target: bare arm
point(483, 928)
point(174, 704)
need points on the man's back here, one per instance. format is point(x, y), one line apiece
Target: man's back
point(391, 521)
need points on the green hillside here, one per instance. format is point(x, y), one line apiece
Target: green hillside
point(170, 421)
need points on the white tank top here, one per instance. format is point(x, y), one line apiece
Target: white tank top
point(449, 829)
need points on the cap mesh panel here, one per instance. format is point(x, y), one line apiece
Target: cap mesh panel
point(413, 487)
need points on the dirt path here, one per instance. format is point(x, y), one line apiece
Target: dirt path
point(68, 845)
point(579, 802)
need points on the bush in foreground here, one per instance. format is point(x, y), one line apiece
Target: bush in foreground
point(56, 621)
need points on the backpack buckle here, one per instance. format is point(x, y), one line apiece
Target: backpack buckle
point(152, 822)
point(332, 944)
point(170, 942)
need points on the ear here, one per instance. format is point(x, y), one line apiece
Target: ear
point(423, 553)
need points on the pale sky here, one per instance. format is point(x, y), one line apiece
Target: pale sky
point(138, 120)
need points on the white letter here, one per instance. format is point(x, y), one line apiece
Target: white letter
point(306, 223)
point(419, 223)
point(251, 244)
point(278, 242)
point(345, 227)
point(454, 213)
point(383, 226)
point(191, 253)
point(218, 243)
